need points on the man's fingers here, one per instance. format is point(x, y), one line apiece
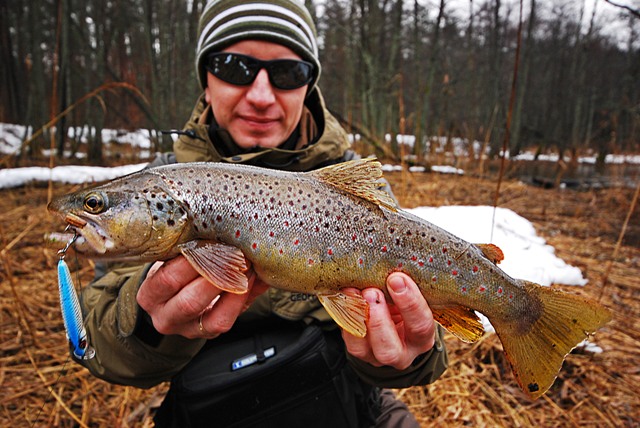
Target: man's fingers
point(220, 318)
point(386, 345)
point(419, 328)
point(165, 280)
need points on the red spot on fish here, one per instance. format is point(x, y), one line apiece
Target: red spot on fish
point(219, 218)
point(463, 289)
point(255, 216)
point(353, 238)
point(296, 242)
point(444, 250)
point(338, 217)
point(448, 262)
point(400, 265)
point(510, 296)
point(500, 291)
point(254, 245)
point(311, 262)
point(434, 278)
point(286, 223)
point(330, 252)
point(384, 248)
point(237, 233)
point(360, 261)
point(420, 263)
point(414, 258)
point(482, 289)
point(271, 234)
point(281, 252)
point(370, 240)
point(475, 269)
point(454, 272)
point(430, 259)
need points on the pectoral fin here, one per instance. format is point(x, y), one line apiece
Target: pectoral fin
point(462, 322)
point(222, 265)
point(350, 312)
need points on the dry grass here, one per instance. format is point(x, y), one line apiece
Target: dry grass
point(40, 387)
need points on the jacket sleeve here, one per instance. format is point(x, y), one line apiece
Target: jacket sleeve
point(426, 368)
point(128, 350)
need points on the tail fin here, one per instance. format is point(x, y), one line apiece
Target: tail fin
point(537, 352)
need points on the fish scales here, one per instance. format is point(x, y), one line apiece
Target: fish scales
point(300, 229)
point(320, 232)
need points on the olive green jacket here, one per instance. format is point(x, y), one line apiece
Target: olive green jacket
point(130, 351)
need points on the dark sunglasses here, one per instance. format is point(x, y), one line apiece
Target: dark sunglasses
point(242, 70)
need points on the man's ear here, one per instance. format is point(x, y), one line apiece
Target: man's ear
point(207, 94)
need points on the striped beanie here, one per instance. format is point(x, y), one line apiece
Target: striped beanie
point(286, 22)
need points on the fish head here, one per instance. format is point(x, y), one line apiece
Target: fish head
point(123, 221)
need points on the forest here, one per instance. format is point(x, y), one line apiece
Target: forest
point(544, 76)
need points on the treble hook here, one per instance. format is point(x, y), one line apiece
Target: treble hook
point(63, 251)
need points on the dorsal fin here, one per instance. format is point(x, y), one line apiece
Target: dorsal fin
point(360, 178)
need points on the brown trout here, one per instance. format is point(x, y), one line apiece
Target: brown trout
point(319, 232)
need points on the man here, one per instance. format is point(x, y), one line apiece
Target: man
point(267, 357)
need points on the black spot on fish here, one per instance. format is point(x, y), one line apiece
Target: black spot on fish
point(155, 218)
point(160, 206)
point(533, 387)
point(171, 222)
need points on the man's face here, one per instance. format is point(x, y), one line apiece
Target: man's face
point(256, 115)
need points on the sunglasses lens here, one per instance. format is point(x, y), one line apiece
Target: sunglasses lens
point(242, 70)
point(290, 74)
point(234, 69)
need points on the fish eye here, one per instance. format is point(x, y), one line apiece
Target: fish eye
point(94, 203)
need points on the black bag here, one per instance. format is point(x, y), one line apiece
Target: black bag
point(278, 374)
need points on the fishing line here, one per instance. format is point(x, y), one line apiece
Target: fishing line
point(46, 400)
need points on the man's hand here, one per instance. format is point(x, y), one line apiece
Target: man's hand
point(179, 300)
point(397, 331)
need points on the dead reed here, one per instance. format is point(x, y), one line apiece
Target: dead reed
point(39, 386)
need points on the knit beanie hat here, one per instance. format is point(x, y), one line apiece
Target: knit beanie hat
point(286, 22)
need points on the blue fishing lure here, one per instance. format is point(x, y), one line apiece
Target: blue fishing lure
point(71, 313)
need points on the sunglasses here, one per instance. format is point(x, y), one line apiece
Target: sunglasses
point(242, 70)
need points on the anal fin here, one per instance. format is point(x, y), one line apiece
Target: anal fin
point(350, 312)
point(462, 322)
point(222, 265)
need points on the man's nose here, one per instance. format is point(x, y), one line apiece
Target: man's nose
point(261, 93)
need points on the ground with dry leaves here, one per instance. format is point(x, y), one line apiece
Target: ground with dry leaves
point(40, 387)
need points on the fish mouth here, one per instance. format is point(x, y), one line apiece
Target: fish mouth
point(75, 221)
point(91, 237)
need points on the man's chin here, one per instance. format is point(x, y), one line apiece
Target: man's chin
point(265, 142)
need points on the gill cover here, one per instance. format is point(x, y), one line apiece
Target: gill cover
point(113, 220)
